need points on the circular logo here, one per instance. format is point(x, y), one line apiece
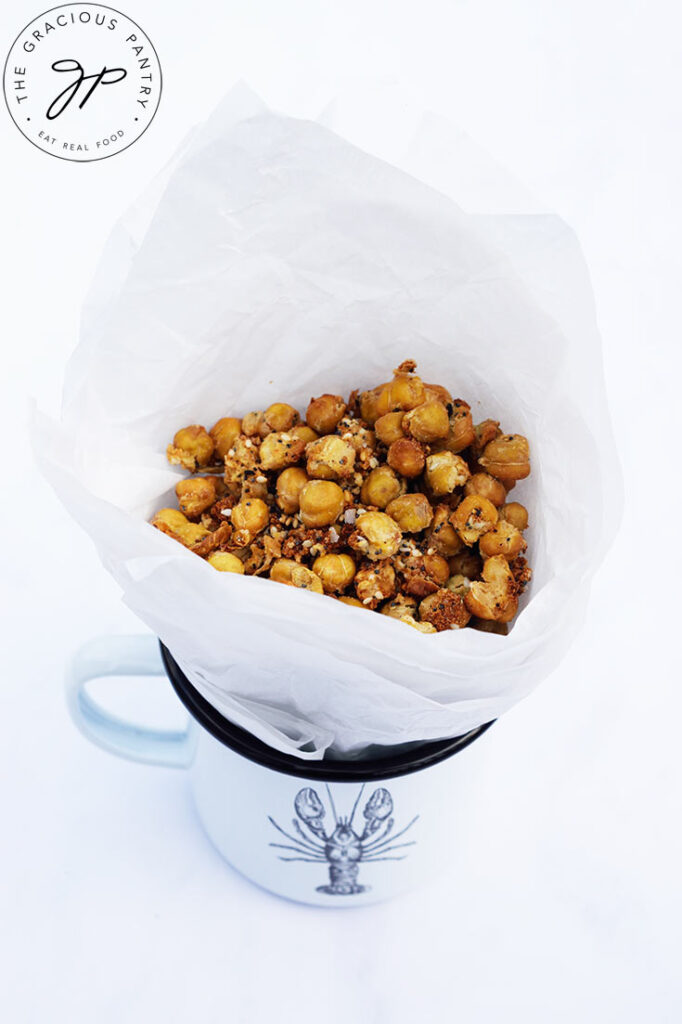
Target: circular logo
point(82, 82)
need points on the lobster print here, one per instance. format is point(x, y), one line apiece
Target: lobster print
point(345, 847)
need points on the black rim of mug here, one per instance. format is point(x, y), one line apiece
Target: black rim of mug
point(243, 743)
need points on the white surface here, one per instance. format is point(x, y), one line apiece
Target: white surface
point(564, 902)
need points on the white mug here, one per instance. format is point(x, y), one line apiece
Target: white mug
point(331, 833)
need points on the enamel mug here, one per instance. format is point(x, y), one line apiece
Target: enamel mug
point(332, 833)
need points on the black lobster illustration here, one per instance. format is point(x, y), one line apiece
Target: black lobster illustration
point(344, 848)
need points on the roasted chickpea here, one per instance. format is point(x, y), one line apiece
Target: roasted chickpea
point(473, 517)
point(192, 446)
point(325, 412)
point(223, 561)
point(330, 458)
point(335, 571)
point(445, 471)
point(488, 487)
point(377, 535)
point(252, 424)
point(436, 392)
point(281, 570)
point(427, 422)
point(458, 584)
point(290, 483)
point(241, 460)
point(351, 600)
point(305, 579)
point(406, 457)
point(442, 535)
point(278, 450)
point(172, 522)
point(400, 606)
point(196, 495)
point(503, 539)
point(495, 596)
point(507, 458)
point(484, 432)
point(516, 514)
point(321, 503)
point(305, 433)
point(374, 582)
point(368, 402)
point(412, 512)
point(437, 568)
point(444, 610)
point(466, 563)
point(381, 487)
point(388, 428)
point(280, 417)
point(405, 391)
point(421, 627)
point(461, 432)
point(250, 514)
point(224, 433)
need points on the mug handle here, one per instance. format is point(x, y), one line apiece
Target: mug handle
point(123, 656)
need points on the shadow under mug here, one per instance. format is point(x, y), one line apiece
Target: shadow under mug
point(331, 833)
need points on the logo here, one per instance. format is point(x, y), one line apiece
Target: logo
point(82, 82)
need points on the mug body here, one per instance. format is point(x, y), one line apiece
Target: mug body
point(330, 842)
point(334, 833)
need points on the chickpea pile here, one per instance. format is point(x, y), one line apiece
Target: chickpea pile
point(393, 501)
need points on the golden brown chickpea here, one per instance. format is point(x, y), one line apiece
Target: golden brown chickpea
point(254, 488)
point(252, 424)
point(278, 450)
point(321, 503)
point(352, 601)
point(241, 460)
point(458, 584)
point(330, 458)
point(280, 417)
point(374, 582)
point(507, 458)
point(281, 570)
point(421, 627)
point(412, 512)
point(427, 422)
point(405, 391)
point(192, 446)
point(172, 522)
point(516, 514)
point(196, 495)
point(400, 606)
point(389, 428)
point(325, 412)
point(437, 568)
point(406, 457)
point(461, 432)
point(473, 517)
point(223, 561)
point(368, 402)
point(250, 514)
point(503, 539)
point(484, 432)
point(488, 487)
point(290, 483)
point(466, 563)
point(224, 433)
point(305, 432)
point(335, 571)
point(494, 597)
point(305, 579)
point(444, 610)
point(444, 472)
point(381, 487)
point(377, 535)
point(442, 535)
point(436, 392)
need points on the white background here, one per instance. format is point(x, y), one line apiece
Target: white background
point(564, 902)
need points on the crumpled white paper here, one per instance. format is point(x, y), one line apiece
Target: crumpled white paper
point(280, 262)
